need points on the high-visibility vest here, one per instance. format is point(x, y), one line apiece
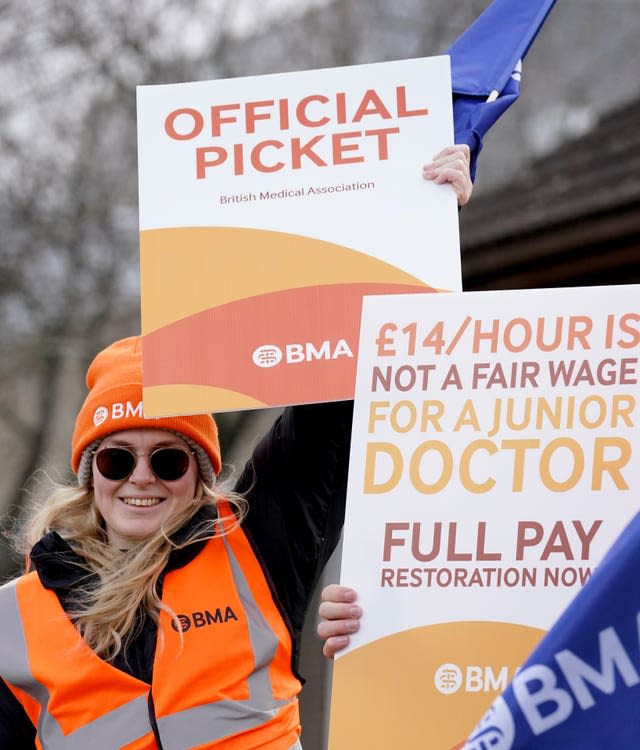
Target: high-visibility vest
point(222, 680)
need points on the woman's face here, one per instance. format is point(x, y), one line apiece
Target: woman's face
point(134, 508)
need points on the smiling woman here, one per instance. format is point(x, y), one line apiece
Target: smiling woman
point(156, 596)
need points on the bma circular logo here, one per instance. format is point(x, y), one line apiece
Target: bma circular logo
point(183, 624)
point(267, 355)
point(100, 415)
point(495, 730)
point(448, 679)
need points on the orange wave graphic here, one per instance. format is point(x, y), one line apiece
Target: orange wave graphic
point(188, 270)
point(233, 332)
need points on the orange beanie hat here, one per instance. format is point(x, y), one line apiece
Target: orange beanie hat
point(114, 403)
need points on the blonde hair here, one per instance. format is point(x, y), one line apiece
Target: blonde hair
point(108, 615)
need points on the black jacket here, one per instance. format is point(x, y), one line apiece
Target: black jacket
point(295, 483)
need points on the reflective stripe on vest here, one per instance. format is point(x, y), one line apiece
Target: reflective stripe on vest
point(253, 648)
point(218, 719)
point(121, 725)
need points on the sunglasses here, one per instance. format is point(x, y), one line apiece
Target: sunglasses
point(168, 464)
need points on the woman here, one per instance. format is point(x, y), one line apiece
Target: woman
point(148, 562)
point(158, 611)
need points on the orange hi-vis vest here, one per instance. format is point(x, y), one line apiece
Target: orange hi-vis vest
point(225, 681)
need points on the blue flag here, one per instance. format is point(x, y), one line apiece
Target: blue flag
point(580, 688)
point(486, 63)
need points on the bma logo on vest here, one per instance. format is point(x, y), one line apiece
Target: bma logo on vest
point(270, 355)
point(200, 619)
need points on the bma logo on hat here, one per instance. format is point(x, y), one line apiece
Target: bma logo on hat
point(119, 410)
point(100, 415)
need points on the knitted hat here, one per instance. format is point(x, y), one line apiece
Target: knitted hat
point(114, 403)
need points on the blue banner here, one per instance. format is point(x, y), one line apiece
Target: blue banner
point(580, 688)
point(486, 64)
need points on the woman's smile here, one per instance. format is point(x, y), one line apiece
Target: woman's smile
point(142, 502)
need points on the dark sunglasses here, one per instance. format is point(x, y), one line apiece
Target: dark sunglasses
point(168, 464)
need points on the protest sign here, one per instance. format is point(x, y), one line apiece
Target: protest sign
point(269, 206)
point(494, 461)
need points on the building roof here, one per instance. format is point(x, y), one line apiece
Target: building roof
point(571, 218)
